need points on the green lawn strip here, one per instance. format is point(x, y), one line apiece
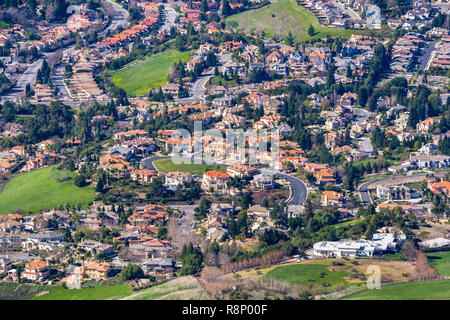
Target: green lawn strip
point(166, 165)
point(4, 25)
point(432, 290)
point(308, 274)
point(283, 16)
point(347, 223)
point(151, 73)
point(38, 189)
point(440, 261)
point(97, 293)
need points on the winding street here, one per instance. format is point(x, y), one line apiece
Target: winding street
point(298, 187)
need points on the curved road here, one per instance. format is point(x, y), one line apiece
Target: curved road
point(299, 190)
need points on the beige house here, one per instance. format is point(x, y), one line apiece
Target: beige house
point(175, 178)
point(215, 181)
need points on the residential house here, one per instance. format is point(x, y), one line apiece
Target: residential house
point(175, 178)
point(215, 181)
point(36, 270)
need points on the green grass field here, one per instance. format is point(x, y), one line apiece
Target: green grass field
point(278, 18)
point(38, 189)
point(433, 290)
point(440, 261)
point(151, 73)
point(308, 274)
point(166, 165)
point(97, 293)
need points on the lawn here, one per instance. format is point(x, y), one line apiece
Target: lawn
point(310, 274)
point(166, 165)
point(97, 293)
point(151, 73)
point(38, 189)
point(281, 17)
point(347, 223)
point(440, 261)
point(433, 290)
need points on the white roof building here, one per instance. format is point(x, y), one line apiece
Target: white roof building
point(352, 248)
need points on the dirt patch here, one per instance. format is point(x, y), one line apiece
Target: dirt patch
point(273, 196)
point(435, 230)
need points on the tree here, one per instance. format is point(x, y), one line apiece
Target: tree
point(246, 200)
point(191, 259)
point(363, 95)
point(290, 39)
point(80, 181)
point(226, 9)
point(311, 30)
point(132, 272)
point(100, 187)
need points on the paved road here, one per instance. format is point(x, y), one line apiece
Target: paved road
point(365, 145)
point(423, 60)
point(171, 16)
point(119, 18)
point(197, 89)
point(352, 13)
point(362, 117)
point(364, 187)
point(299, 190)
point(28, 77)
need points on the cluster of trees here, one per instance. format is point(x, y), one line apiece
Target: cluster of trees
point(424, 104)
point(191, 259)
point(43, 74)
point(380, 140)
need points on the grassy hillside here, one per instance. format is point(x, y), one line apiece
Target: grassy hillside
point(440, 261)
point(15, 291)
point(281, 17)
point(151, 73)
point(39, 189)
point(166, 165)
point(98, 293)
point(317, 274)
point(185, 288)
point(433, 290)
